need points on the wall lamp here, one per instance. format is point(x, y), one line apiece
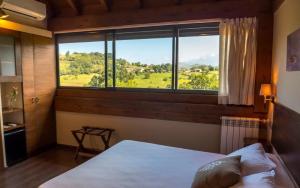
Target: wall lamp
point(3, 15)
point(266, 91)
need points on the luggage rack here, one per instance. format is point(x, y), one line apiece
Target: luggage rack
point(79, 135)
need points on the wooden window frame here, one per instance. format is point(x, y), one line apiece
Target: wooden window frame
point(175, 46)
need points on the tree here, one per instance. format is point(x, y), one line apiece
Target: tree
point(203, 81)
point(97, 81)
point(199, 81)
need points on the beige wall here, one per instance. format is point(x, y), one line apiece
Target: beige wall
point(196, 136)
point(286, 21)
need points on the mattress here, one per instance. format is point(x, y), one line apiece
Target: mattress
point(132, 164)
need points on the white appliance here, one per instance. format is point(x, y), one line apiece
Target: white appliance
point(234, 130)
point(25, 8)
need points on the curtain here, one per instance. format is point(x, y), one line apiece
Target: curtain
point(237, 61)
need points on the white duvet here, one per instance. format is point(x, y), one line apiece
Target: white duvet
point(132, 164)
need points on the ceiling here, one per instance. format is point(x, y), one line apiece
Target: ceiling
point(64, 8)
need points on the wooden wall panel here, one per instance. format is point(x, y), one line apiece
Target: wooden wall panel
point(163, 107)
point(286, 138)
point(199, 11)
point(264, 57)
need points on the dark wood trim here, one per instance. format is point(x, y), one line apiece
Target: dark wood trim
point(165, 106)
point(141, 4)
point(199, 11)
point(178, 2)
point(74, 4)
point(286, 138)
point(139, 96)
point(277, 4)
point(8, 32)
point(104, 3)
point(264, 57)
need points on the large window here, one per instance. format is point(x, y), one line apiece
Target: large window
point(177, 58)
point(82, 60)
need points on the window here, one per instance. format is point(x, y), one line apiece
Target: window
point(144, 59)
point(81, 61)
point(198, 59)
point(177, 58)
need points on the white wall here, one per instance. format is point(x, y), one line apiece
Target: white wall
point(286, 21)
point(196, 136)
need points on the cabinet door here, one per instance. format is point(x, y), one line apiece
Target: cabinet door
point(29, 91)
point(45, 86)
point(39, 76)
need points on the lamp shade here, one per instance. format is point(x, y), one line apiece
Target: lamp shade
point(3, 15)
point(266, 90)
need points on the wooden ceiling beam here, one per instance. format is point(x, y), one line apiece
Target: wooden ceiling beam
point(75, 5)
point(104, 4)
point(178, 2)
point(185, 12)
point(142, 4)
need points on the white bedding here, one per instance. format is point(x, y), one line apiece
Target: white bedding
point(132, 164)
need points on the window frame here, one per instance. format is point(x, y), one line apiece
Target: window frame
point(112, 33)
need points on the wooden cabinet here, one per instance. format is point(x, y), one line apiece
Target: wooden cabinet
point(12, 125)
point(39, 84)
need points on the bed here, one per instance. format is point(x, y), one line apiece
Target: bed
point(131, 164)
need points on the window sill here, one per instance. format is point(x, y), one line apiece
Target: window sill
point(143, 90)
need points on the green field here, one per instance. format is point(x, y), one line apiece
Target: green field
point(81, 80)
point(87, 70)
point(156, 80)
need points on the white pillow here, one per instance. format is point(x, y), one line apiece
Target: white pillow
point(254, 160)
point(259, 180)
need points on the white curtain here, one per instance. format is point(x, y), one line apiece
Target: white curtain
point(237, 61)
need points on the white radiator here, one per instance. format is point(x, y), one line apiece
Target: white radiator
point(234, 130)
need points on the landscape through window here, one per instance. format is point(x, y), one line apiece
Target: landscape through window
point(144, 63)
point(82, 64)
point(198, 65)
point(165, 59)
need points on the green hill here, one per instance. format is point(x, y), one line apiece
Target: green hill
point(88, 69)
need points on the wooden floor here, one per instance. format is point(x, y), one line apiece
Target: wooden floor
point(37, 170)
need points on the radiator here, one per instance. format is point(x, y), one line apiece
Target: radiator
point(234, 130)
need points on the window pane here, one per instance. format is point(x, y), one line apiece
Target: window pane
point(144, 62)
point(7, 56)
point(198, 66)
point(81, 64)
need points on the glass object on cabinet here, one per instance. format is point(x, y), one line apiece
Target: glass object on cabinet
point(7, 56)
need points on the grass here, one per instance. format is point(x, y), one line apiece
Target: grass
point(81, 80)
point(156, 80)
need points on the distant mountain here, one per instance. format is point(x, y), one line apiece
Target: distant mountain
point(210, 60)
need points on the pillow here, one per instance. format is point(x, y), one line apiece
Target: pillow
point(254, 160)
point(221, 173)
point(261, 180)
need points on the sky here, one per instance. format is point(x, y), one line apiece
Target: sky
point(203, 49)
